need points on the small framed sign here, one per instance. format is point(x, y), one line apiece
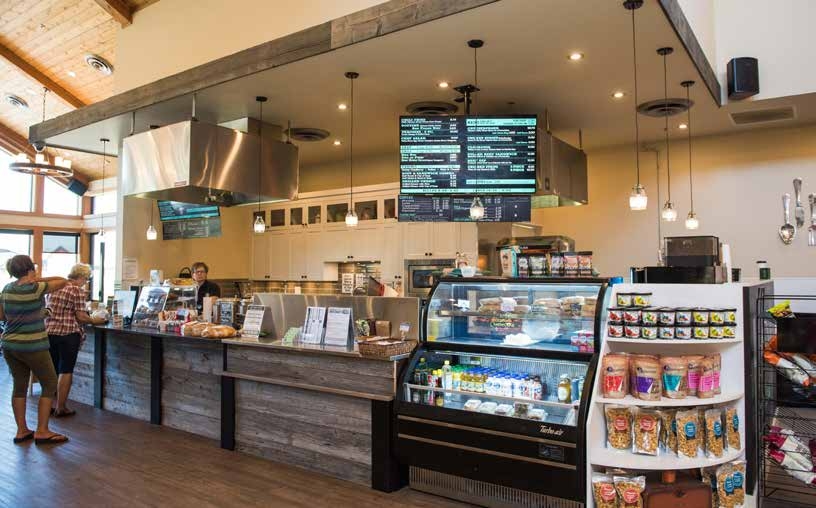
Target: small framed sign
point(339, 327)
point(253, 320)
point(312, 332)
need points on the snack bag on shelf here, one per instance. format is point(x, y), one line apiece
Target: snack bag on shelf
point(694, 373)
point(648, 385)
point(781, 310)
point(646, 429)
point(674, 376)
point(668, 430)
point(716, 359)
point(732, 428)
point(726, 493)
point(630, 490)
point(787, 368)
point(705, 390)
point(702, 425)
point(785, 440)
point(792, 465)
point(689, 433)
point(603, 491)
point(738, 478)
point(618, 427)
point(805, 364)
point(709, 476)
point(714, 433)
point(615, 380)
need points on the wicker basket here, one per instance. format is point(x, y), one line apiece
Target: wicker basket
point(380, 347)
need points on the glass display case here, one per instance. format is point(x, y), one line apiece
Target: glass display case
point(154, 300)
point(181, 296)
point(499, 389)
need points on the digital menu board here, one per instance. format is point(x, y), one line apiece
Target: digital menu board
point(176, 210)
point(457, 209)
point(468, 154)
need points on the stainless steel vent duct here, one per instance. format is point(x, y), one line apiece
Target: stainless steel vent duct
point(196, 162)
point(562, 173)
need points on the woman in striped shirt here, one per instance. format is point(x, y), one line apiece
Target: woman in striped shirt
point(26, 346)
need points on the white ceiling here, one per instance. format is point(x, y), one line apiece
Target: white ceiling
point(524, 60)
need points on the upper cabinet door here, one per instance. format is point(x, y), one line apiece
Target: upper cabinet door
point(416, 240)
point(260, 256)
point(278, 255)
point(367, 243)
point(468, 240)
point(297, 256)
point(392, 264)
point(444, 240)
point(336, 245)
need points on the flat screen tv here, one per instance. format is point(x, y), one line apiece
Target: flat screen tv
point(176, 210)
point(468, 154)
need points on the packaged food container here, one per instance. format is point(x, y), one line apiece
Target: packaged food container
point(648, 331)
point(631, 316)
point(715, 332)
point(615, 330)
point(641, 299)
point(585, 264)
point(666, 332)
point(682, 317)
point(700, 332)
point(729, 331)
point(570, 264)
point(731, 316)
point(683, 332)
point(624, 299)
point(700, 317)
point(649, 316)
point(614, 315)
point(716, 317)
point(631, 331)
point(666, 317)
point(555, 263)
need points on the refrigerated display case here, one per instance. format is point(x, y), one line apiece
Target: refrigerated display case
point(492, 403)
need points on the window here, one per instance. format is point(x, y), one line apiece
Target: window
point(103, 265)
point(17, 190)
point(59, 200)
point(12, 243)
point(60, 253)
point(104, 203)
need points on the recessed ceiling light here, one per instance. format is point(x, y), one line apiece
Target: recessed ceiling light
point(72, 74)
point(342, 106)
point(576, 56)
point(683, 126)
point(443, 84)
point(337, 142)
point(618, 95)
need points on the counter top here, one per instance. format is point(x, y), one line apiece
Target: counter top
point(298, 347)
point(153, 332)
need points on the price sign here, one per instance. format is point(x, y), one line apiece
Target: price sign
point(339, 331)
point(312, 332)
point(253, 320)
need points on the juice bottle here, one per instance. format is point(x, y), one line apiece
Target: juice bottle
point(430, 381)
point(565, 389)
point(419, 372)
point(466, 382)
point(439, 399)
point(538, 388)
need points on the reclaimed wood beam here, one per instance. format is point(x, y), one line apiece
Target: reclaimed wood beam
point(119, 10)
point(367, 24)
point(14, 143)
point(40, 77)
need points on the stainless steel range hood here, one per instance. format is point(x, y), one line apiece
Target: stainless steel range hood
point(562, 173)
point(196, 162)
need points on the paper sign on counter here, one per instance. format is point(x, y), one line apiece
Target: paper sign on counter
point(312, 332)
point(253, 321)
point(339, 331)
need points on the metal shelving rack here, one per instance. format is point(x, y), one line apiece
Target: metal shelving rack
point(783, 403)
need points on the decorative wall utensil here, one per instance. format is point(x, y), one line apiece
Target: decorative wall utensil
point(787, 232)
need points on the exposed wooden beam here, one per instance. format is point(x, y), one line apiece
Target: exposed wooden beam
point(119, 10)
point(40, 77)
point(14, 143)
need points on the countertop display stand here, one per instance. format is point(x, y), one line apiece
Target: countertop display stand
point(783, 403)
point(734, 355)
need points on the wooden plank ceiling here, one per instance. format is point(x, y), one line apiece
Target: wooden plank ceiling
point(43, 44)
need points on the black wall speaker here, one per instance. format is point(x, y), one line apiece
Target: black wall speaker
point(743, 78)
point(77, 187)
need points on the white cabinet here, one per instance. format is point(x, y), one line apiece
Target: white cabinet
point(260, 256)
point(278, 255)
point(469, 241)
point(439, 240)
point(297, 256)
point(366, 243)
point(313, 252)
point(336, 245)
point(416, 240)
point(392, 264)
point(444, 240)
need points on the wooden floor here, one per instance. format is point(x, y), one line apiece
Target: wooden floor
point(114, 460)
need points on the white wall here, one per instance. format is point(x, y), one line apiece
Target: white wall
point(700, 15)
point(738, 181)
point(173, 35)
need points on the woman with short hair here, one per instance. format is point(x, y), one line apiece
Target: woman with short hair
point(65, 334)
point(25, 345)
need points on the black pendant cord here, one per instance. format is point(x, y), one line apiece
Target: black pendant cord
point(688, 128)
point(666, 107)
point(104, 161)
point(475, 75)
point(260, 150)
point(637, 127)
point(351, 149)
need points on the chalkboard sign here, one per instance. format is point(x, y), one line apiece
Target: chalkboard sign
point(457, 209)
point(191, 228)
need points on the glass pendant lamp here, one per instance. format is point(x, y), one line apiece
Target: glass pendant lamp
point(351, 215)
point(638, 200)
point(259, 224)
point(692, 222)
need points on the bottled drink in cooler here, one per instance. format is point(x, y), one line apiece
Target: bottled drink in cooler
point(447, 376)
point(564, 389)
point(439, 398)
point(538, 388)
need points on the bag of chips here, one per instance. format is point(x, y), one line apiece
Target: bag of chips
point(668, 430)
point(618, 427)
point(689, 435)
point(646, 430)
point(630, 491)
point(714, 433)
point(603, 491)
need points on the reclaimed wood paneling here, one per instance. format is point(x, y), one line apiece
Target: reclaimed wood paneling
point(127, 375)
point(191, 386)
point(327, 433)
point(82, 389)
point(355, 374)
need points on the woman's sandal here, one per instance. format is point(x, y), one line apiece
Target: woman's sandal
point(52, 439)
point(27, 437)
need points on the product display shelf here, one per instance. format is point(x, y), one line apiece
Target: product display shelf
point(477, 395)
point(732, 353)
point(528, 316)
point(664, 342)
point(628, 460)
point(666, 402)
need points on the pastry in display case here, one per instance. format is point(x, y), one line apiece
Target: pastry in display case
point(175, 301)
point(495, 391)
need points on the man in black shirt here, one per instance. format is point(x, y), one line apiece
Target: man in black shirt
point(205, 288)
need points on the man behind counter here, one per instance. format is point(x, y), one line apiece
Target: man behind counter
point(205, 287)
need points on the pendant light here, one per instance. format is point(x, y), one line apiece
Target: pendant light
point(351, 215)
point(669, 213)
point(692, 222)
point(477, 209)
point(638, 199)
point(259, 225)
point(105, 141)
point(41, 166)
point(151, 234)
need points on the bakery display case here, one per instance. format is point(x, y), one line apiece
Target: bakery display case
point(156, 302)
point(495, 392)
